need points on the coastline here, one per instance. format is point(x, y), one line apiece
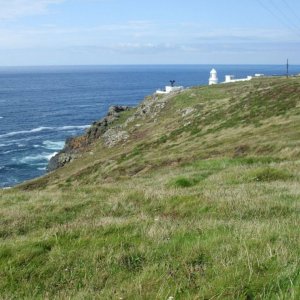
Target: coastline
point(25, 159)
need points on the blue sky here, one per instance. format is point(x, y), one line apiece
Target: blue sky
point(76, 32)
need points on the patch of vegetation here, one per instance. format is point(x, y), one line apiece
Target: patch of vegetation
point(163, 139)
point(270, 174)
point(204, 206)
point(264, 160)
point(194, 179)
point(132, 262)
point(183, 182)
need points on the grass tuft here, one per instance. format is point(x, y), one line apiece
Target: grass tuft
point(183, 182)
point(270, 174)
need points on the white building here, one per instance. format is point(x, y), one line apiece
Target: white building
point(213, 79)
point(169, 89)
point(231, 79)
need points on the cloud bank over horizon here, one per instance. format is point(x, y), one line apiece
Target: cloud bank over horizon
point(62, 32)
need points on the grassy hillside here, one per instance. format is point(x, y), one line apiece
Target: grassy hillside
point(200, 201)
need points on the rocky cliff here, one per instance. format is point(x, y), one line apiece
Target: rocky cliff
point(109, 130)
point(74, 146)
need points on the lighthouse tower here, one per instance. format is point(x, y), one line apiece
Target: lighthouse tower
point(213, 79)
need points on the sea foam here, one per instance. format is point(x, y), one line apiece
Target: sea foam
point(42, 128)
point(53, 145)
point(73, 127)
point(34, 159)
point(14, 133)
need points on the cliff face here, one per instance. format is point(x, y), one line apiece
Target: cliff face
point(74, 146)
point(109, 130)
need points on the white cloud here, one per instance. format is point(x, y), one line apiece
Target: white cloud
point(11, 9)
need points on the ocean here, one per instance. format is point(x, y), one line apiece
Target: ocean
point(41, 106)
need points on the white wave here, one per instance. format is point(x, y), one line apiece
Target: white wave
point(42, 128)
point(53, 145)
point(42, 169)
point(11, 151)
point(6, 144)
point(85, 105)
point(51, 155)
point(40, 157)
point(13, 133)
point(1, 117)
point(73, 127)
point(42, 164)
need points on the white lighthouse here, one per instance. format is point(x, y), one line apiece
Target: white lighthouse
point(213, 79)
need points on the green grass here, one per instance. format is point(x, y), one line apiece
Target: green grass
point(270, 174)
point(203, 211)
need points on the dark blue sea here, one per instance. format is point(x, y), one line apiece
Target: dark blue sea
point(41, 106)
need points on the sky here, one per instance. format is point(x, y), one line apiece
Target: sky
point(97, 32)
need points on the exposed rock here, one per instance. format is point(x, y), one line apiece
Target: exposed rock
point(114, 136)
point(98, 128)
point(73, 147)
point(150, 108)
point(187, 111)
point(76, 145)
point(59, 160)
point(116, 109)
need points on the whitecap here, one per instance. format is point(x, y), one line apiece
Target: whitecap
point(51, 145)
point(73, 127)
point(1, 117)
point(6, 144)
point(43, 128)
point(85, 105)
point(51, 155)
point(32, 159)
point(40, 129)
point(42, 169)
point(13, 133)
point(11, 151)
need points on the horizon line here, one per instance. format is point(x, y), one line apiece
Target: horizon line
point(158, 64)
